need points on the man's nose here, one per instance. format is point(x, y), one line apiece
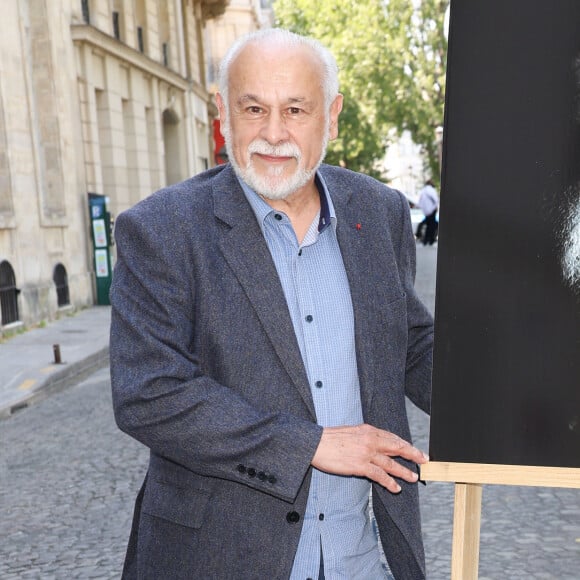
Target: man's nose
point(274, 129)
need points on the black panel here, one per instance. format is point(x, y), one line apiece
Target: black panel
point(507, 352)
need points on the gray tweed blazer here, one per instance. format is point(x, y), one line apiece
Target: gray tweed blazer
point(207, 373)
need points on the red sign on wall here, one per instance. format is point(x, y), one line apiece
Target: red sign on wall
point(220, 156)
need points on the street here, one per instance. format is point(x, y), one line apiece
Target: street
point(68, 479)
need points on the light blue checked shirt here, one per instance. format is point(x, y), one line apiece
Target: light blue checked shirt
point(318, 296)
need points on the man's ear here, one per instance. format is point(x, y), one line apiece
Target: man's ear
point(222, 110)
point(335, 109)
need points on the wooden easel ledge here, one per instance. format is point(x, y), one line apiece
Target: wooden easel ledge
point(501, 474)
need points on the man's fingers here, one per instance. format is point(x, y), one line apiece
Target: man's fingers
point(381, 477)
point(394, 446)
point(395, 469)
point(366, 451)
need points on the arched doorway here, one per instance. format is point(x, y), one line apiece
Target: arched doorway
point(60, 279)
point(8, 294)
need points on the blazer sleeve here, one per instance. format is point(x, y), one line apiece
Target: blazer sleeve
point(419, 363)
point(161, 397)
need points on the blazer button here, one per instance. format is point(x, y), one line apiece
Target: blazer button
point(262, 476)
point(241, 468)
point(292, 517)
point(272, 479)
point(251, 472)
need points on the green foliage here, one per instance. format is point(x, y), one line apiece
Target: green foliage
point(391, 55)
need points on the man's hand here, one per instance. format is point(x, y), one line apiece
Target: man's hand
point(366, 451)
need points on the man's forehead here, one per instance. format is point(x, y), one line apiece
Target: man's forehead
point(269, 54)
point(275, 81)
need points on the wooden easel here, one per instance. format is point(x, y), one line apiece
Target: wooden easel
point(468, 479)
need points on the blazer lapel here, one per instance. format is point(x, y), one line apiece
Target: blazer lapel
point(247, 253)
point(358, 262)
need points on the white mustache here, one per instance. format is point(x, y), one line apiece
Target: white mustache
point(283, 150)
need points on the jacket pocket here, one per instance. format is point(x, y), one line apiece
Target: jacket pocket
point(183, 506)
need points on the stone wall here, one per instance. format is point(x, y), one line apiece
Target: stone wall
point(116, 105)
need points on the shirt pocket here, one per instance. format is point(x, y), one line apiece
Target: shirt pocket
point(183, 506)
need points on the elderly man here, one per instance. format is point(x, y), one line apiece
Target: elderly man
point(265, 333)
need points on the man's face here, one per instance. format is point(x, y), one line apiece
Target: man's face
point(276, 124)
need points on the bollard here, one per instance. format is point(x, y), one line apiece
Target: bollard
point(56, 350)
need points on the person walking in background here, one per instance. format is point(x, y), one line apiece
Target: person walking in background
point(265, 332)
point(429, 204)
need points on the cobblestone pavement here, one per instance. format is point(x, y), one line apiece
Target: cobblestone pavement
point(68, 479)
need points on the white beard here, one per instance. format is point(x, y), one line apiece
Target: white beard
point(272, 185)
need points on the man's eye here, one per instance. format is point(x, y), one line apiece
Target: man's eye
point(254, 110)
point(294, 110)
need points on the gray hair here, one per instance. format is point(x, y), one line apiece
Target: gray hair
point(285, 38)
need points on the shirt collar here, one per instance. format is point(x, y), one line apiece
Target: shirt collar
point(262, 209)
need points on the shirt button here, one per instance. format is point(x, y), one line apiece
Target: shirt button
point(309, 318)
point(292, 517)
point(320, 517)
point(318, 384)
point(278, 216)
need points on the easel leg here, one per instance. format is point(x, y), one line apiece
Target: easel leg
point(466, 527)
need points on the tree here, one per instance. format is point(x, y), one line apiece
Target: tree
point(391, 55)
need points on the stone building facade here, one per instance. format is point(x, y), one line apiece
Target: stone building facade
point(106, 99)
point(239, 18)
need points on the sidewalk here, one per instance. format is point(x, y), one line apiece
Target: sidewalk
point(28, 371)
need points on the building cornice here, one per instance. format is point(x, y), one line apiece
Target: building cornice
point(213, 8)
point(98, 40)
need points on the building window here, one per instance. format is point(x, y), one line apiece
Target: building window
point(165, 54)
point(8, 294)
point(60, 280)
point(86, 11)
point(140, 41)
point(213, 70)
point(116, 26)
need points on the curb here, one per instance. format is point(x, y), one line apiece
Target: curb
point(66, 377)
